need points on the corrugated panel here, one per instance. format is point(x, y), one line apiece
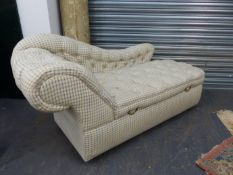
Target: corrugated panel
point(194, 31)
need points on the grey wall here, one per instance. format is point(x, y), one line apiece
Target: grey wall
point(194, 31)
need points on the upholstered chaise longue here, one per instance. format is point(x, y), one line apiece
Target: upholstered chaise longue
point(101, 98)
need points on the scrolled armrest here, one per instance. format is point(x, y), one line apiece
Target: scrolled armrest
point(49, 82)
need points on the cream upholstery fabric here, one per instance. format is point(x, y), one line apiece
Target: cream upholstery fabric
point(96, 141)
point(102, 93)
point(142, 85)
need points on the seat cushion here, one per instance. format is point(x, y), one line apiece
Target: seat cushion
point(145, 84)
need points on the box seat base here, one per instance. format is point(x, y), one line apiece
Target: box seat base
point(98, 140)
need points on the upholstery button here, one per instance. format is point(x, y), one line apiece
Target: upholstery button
point(187, 88)
point(80, 61)
point(132, 111)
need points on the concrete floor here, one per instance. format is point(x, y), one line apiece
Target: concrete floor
point(31, 143)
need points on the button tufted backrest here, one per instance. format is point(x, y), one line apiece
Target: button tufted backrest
point(94, 58)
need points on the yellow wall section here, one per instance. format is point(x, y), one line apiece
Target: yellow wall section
point(75, 19)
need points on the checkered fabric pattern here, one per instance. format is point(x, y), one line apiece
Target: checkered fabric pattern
point(56, 73)
point(98, 140)
point(102, 94)
point(145, 84)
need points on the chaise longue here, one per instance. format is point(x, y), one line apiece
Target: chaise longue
point(101, 98)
